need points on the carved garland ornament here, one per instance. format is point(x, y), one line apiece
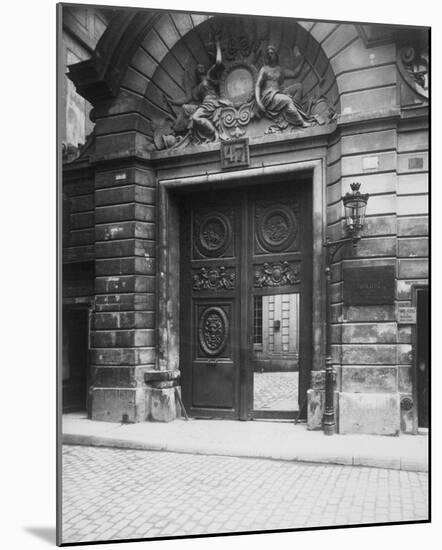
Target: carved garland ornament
point(275, 274)
point(214, 278)
point(213, 330)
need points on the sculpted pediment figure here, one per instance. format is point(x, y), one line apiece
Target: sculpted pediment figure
point(221, 102)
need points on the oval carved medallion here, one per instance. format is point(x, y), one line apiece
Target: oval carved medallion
point(213, 330)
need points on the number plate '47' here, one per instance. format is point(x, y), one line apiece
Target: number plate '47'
point(235, 153)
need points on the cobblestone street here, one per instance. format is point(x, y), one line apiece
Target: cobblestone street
point(111, 494)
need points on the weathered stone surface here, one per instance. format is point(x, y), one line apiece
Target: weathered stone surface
point(118, 405)
point(404, 288)
point(369, 413)
point(369, 100)
point(161, 375)
point(123, 338)
point(413, 247)
point(129, 283)
point(404, 354)
point(125, 266)
point(369, 333)
point(377, 246)
point(369, 354)
point(412, 184)
point(123, 320)
point(381, 162)
point(317, 379)
point(416, 268)
point(406, 161)
point(127, 247)
point(370, 141)
point(405, 378)
point(125, 302)
point(124, 175)
point(412, 141)
point(124, 212)
point(369, 379)
point(315, 409)
point(125, 194)
point(124, 230)
point(412, 204)
point(367, 78)
point(125, 356)
point(161, 404)
point(404, 334)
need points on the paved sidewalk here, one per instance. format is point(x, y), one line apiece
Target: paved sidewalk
point(263, 439)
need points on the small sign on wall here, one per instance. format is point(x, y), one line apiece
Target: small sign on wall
point(406, 315)
point(369, 285)
point(235, 153)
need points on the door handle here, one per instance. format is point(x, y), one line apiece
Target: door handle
point(212, 362)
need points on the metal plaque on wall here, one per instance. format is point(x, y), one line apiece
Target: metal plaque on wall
point(369, 285)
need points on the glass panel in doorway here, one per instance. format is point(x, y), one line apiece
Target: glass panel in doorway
point(276, 352)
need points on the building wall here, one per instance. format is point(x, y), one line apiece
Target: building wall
point(380, 139)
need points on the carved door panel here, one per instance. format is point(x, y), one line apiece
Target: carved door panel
point(210, 306)
point(245, 252)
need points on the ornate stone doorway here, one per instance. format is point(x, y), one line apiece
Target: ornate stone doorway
point(246, 300)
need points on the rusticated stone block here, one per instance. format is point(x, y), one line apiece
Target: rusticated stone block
point(119, 405)
point(123, 338)
point(125, 302)
point(115, 284)
point(369, 333)
point(413, 247)
point(404, 288)
point(125, 230)
point(125, 266)
point(123, 320)
point(127, 247)
point(369, 413)
point(124, 212)
point(369, 313)
point(369, 379)
point(124, 176)
point(126, 356)
point(415, 226)
point(369, 354)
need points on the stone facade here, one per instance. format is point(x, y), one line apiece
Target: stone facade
point(365, 99)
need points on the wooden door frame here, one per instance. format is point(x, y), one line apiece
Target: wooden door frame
point(168, 276)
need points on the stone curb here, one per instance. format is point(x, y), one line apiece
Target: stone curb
point(392, 463)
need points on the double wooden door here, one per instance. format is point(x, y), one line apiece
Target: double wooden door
point(243, 251)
